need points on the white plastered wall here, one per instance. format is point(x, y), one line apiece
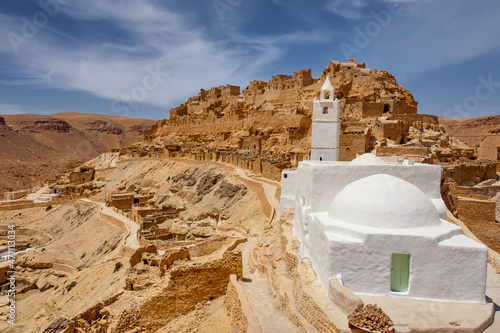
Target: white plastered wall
point(331, 154)
point(325, 131)
point(333, 110)
point(288, 189)
point(453, 269)
point(328, 179)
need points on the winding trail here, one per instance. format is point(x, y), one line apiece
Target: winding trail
point(131, 227)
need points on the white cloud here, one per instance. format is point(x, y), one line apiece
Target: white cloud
point(428, 35)
point(158, 39)
point(448, 33)
point(351, 9)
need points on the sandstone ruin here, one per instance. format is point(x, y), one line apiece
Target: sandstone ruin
point(182, 231)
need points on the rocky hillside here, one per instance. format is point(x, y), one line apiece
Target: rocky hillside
point(34, 147)
point(81, 266)
point(267, 126)
point(481, 133)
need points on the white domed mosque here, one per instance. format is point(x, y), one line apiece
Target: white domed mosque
point(379, 227)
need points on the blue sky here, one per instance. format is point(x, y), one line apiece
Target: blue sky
point(140, 58)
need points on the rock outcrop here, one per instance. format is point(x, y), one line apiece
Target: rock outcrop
point(267, 126)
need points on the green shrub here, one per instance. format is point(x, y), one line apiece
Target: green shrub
point(70, 286)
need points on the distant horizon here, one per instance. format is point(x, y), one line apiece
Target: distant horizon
point(143, 59)
point(114, 115)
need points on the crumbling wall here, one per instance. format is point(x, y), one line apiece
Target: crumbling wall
point(307, 308)
point(81, 176)
point(402, 151)
point(137, 255)
point(188, 284)
point(471, 173)
point(207, 247)
point(232, 302)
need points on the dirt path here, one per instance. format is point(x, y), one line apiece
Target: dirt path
point(34, 196)
point(265, 306)
point(265, 191)
point(132, 227)
point(493, 292)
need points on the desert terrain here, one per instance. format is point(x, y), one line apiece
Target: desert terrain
point(481, 133)
point(179, 229)
point(34, 148)
point(85, 246)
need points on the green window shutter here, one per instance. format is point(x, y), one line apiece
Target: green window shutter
point(400, 272)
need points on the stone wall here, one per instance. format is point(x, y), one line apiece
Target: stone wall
point(352, 145)
point(15, 195)
point(25, 204)
point(471, 173)
point(476, 211)
point(81, 176)
point(232, 302)
point(207, 247)
point(307, 306)
point(402, 151)
point(188, 284)
point(479, 217)
point(4, 269)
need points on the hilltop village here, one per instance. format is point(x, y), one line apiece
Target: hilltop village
point(199, 226)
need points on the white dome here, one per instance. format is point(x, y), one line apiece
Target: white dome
point(384, 201)
point(367, 159)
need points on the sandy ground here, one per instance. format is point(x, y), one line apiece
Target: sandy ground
point(83, 239)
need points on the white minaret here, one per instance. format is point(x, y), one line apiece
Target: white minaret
point(325, 126)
